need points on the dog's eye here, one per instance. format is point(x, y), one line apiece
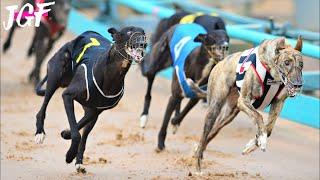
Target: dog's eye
point(287, 62)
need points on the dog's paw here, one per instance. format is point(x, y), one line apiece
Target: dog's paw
point(250, 147)
point(39, 138)
point(204, 104)
point(70, 156)
point(80, 168)
point(66, 134)
point(5, 47)
point(195, 150)
point(198, 173)
point(143, 120)
point(175, 128)
point(262, 141)
point(159, 149)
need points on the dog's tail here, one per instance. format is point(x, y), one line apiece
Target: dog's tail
point(39, 91)
point(196, 89)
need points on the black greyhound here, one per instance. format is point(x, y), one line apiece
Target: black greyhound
point(93, 70)
point(210, 49)
point(51, 29)
point(209, 22)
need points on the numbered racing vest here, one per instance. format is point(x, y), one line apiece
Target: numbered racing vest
point(89, 48)
point(181, 45)
point(250, 59)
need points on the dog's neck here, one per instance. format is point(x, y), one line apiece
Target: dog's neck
point(113, 68)
point(206, 55)
point(268, 61)
point(203, 52)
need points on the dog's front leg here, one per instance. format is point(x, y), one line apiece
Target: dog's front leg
point(68, 99)
point(79, 160)
point(244, 104)
point(177, 119)
point(173, 101)
point(274, 113)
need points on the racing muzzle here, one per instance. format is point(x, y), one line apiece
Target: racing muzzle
point(293, 85)
point(136, 46)
point(218, 52)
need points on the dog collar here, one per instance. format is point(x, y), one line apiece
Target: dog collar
point(123, 56)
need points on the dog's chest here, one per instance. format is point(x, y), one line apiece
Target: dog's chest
point(95, 97)
point(249, 60)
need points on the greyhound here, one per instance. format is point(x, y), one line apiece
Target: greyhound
point(248, 81)
point(208, 22)
point(50, 30)
point(93, 71)
point(193, 52)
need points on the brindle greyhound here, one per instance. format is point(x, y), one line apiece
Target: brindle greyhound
point(264, 75)
point(209, 22)
point(93, 71)
point(198, 63)
point(51, 29)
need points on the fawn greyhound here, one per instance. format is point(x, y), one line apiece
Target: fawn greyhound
point(247, 81)
point(208, 21)
point(50, 30)
point(93, 71)
point(193, 52)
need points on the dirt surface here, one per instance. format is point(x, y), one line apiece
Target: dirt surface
point(118, 149)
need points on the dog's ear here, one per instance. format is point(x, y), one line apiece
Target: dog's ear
point(112, 30)
point(279, 44)
point(200, 38)
point(299, 44)
point(114, 33)
point(272, 47)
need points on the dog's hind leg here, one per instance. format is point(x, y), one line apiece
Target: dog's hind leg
point(217, 101)
point(32, 46)
point(147, 101)
point(228, 112)
point(87, 129)
point(43, 44)
point(173, 101)
point(7, 43)
point(177, 119)
point(222, 122)
point(55, 71)
point(51, 88)
point(158, 59)
point(177, 109)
